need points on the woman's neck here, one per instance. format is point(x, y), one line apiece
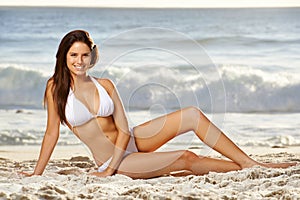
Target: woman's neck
point(79, 79)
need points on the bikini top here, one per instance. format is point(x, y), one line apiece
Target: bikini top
point(77, 113)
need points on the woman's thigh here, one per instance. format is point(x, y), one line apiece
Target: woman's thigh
point(153, 164)
point(151, 135)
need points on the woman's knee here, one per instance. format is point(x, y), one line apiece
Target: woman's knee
point(194, 112)
point(194, 115)
point(188, 157)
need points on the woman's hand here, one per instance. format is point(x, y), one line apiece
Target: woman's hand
point(26, 174)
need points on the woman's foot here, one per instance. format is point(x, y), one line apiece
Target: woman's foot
point(253, 163)
point(279, 165)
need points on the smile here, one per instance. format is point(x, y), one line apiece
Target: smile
point(79, 67)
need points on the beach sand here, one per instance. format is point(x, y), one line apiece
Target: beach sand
point(66, 178)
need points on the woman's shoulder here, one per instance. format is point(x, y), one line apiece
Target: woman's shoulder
point(107, 83)
point(50, 82)
point(49, 85)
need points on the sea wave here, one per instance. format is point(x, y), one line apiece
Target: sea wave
point(245, 89)
point(21, 88)
point(32, 137)
point(279, 141)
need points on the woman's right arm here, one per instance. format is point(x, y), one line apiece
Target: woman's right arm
point(51, 134)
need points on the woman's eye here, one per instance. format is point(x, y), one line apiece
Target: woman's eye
point(73, 54)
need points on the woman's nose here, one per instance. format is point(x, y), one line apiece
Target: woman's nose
point(79, 59)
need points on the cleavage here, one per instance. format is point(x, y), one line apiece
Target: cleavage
point(89, 97)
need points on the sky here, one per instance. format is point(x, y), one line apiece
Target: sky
point(155, 3)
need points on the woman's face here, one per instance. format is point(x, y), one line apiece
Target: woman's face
point(79, 58)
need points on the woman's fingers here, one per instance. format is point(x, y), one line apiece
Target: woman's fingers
point(26, 174)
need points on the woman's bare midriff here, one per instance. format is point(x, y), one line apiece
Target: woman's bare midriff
point(99, 135)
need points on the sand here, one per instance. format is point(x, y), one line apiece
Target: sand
point(66, 177)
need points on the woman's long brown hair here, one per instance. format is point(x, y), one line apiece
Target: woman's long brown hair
point(61, 79)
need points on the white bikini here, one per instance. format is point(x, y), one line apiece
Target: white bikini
point(77, 114)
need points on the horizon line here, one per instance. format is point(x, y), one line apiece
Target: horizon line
point(150, 7)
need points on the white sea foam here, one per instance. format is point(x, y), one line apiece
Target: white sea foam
point(246, 89)
point(27, 127)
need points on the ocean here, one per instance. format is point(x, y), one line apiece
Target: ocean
point(240, 66)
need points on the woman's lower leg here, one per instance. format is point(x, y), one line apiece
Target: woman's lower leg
point(216, 139)
point(200, 165)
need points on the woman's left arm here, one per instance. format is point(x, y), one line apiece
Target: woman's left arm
point(121, 124)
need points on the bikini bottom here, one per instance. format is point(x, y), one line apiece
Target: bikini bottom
point(131, 148)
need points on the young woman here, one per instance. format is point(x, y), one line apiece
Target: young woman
point(93, 110)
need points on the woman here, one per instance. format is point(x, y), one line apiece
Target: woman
point(93, 110)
